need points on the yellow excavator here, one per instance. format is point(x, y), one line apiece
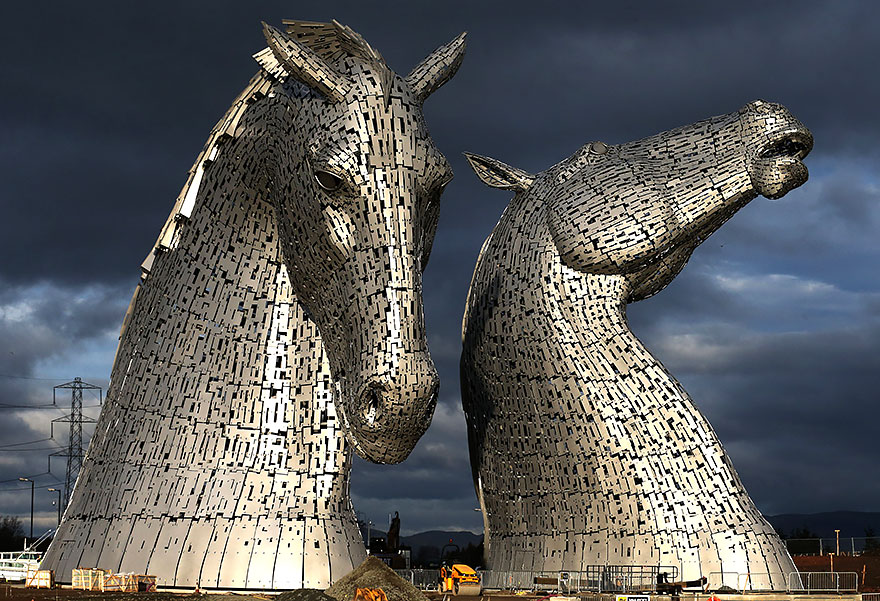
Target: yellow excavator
point(459, 579)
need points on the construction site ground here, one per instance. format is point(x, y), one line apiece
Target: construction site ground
point(20, 593)
point(863, 565)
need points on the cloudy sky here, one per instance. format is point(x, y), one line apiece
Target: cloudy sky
point(774, 326)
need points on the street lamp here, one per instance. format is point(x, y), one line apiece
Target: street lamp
point(58, 502)
point(837, 532)
point(32, 504)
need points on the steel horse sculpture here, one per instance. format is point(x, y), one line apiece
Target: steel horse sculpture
point(585, 450)
point(278, 323)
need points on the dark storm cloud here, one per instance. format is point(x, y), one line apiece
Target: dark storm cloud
point(432, 488)
point(107, 104)
point(785, 368)
point(793, 406)
point(53, 328)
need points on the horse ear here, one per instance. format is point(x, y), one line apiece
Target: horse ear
point(302, 63)
point(496, 174)
point(437, 68)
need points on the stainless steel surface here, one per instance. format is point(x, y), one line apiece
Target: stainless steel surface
point(278, 324)
point(585, 449)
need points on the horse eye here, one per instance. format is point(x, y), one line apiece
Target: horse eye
point(328, 181)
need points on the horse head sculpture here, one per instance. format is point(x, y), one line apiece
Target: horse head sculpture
point(585, 450)
point(356, 189)
point(640, 209)
point(277, 325)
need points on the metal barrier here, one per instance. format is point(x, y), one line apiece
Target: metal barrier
point(635, 579)
point(740, 581)
point(504, 580)
point(870, 596)
point(425, 580)
point(596, 578)
point(823, 582)
point(719, 580)
point(632, 578)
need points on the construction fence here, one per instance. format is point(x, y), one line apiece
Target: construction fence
point(598, 578)
point(845, 545)
point(638, 579)
point(808, 582)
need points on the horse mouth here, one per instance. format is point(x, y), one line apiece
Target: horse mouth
point(792, 145)
point(777, 167)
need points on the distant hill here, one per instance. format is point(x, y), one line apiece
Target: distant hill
point(850, 523)
point(431, 538)
point(438, 538)
point(427, 545)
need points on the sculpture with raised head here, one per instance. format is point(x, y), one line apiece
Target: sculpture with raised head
point(585, 450)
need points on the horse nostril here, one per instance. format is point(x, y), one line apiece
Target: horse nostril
point(372, 406)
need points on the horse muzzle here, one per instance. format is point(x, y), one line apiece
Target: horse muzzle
point(390, 414)
point(780, 143)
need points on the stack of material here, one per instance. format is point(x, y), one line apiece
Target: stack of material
point(96, 579)
point(376, 575)
point(146, 583)
point(120, 583)
point(89, 579)
point(39, 578)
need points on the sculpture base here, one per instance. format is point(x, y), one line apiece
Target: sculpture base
point(212, 554)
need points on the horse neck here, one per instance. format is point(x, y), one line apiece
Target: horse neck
point(592, 306)
point(593, 343)
point(543, 295)
point(216, 303)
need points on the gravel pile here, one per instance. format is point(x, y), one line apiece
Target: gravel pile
point(304, 594)
point(375, 574)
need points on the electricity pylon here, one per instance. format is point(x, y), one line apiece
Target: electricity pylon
point(74, 452)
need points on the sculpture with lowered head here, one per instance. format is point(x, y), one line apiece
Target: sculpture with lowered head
point(277, 325)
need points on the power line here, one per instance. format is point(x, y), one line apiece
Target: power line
point(41, 379)
point(48, 484)
point(47, 406)
point(19, 444)
point(30, 476)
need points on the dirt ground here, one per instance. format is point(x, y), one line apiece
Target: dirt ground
point(869, 565)
point(17, 592)
point(20, 593)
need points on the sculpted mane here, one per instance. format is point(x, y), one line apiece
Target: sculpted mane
point(331, 41)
